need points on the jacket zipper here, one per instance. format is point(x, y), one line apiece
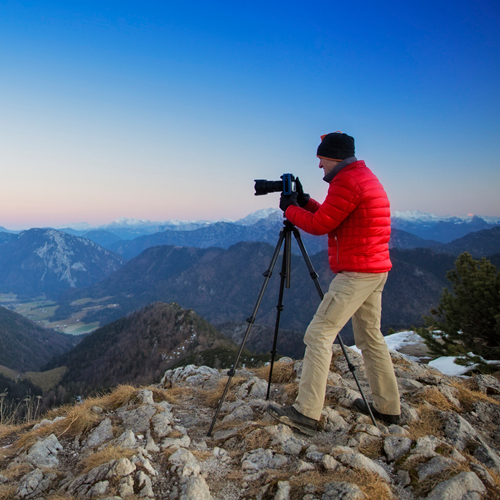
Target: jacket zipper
point(337, 242)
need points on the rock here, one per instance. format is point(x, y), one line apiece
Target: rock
point(282, 435)
point(408, 385)
point(344, 395)
point(396, 446)
point(195, 488)
point(334, 422)
point(34, 484)
point(403, 478)
point(144, 485)
point(329, 463)
point(434, 466)
point(145, 396)
point(138, 420)
point(254, 388)
point(243, 413)
point(458, 431)
point(126, 440)
point(98, 489)
point(450, 393)
point(426, 446)
point(46, 422)
point(182, 442)
point(262, 459)
point(408, 414)
point(161, 424)
point(122, 467)
point(304, 467)
point(185, 462)
point(44, 453)
point(488, 457)
point(465, 486)
point(283, 492)
point(487, 384)
point(342, 491)
point(102, 433)
point(360, 462)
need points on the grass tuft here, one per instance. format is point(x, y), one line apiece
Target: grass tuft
point(283, 373)
point(105, 456)
point(468, 394)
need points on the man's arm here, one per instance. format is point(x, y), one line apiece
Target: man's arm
point(342, 198)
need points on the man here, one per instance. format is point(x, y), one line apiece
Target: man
point(356, 217)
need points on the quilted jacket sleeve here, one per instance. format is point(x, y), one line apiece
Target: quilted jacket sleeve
point(342, 198)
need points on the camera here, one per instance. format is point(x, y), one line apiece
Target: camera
point(286, 185)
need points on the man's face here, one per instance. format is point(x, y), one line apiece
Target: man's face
point(327, 165)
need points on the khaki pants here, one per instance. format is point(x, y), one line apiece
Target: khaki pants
point(356, 295)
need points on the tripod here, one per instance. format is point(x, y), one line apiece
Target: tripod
point(286, 236)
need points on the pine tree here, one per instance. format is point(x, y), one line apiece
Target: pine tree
point(466, 323)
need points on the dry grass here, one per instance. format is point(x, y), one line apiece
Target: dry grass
point(371, 484)
point(104, 456)
point(468, 394)
point(80, 418)
point(201, 455)
point(291, 391)
point(283, 373)
point(430, 424)
point(13, 429)
point(171, 395)
point(56, 496)
point(423, 488)
point(212, 398)
point(437, 399)
point(8, 491)
point(373, 449)
point(17, 471)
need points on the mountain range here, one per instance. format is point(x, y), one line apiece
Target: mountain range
point(24, 346)
point(48, 261)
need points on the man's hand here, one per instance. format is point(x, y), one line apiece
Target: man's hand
point(287, 200)
point(302, 198)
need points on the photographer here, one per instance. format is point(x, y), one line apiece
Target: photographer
point(356, 217)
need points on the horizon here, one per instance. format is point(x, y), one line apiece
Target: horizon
point(87, 226)
point(161, 111)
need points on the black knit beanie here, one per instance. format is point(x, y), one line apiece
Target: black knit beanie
point(336, 146)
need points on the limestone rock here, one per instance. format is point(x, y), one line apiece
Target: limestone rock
point(464, 486)
point(396, 446)
point(359, 461)
point(102, 433)
point(44, 453)
point(337, 490)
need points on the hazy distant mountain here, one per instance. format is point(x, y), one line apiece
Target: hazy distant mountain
point(6, 237)
point(49, 261)
point(404, 240)
point(478, 244)
point(221, 234)
point(139, 348)
point(443, 229)
point(101, 237)
point(24, 346)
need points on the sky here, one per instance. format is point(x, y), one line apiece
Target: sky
point(170, 110)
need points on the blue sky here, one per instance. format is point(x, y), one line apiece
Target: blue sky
point(163, 110)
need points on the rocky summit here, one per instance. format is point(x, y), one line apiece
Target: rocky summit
point(151, 442)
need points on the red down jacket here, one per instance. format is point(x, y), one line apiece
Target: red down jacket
point(356, 215)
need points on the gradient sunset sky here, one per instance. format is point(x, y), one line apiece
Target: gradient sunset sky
point(170, 110)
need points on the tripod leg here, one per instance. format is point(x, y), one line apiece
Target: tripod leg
point(285, 279)
point(250, 321)
point(314, 276)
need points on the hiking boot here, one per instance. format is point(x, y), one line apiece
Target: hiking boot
point(290, 416)
point(360, 405)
